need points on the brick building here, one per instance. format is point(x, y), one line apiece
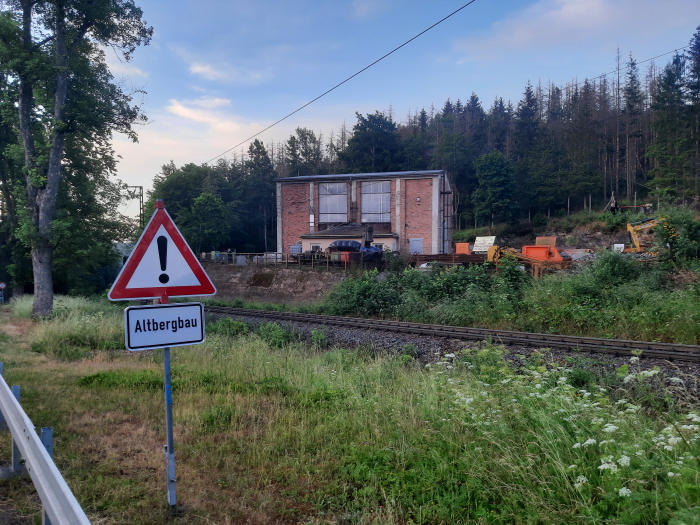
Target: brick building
point(409, 210)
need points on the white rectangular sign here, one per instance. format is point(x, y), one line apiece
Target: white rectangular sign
point(482, 244)
point(161, 325)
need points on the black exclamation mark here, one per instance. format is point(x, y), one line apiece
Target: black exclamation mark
point(163, 255)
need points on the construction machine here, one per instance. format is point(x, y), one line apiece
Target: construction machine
point(640, 234)
point(538, 258)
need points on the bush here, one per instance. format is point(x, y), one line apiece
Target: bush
point(275, 335)
point(319, 338)
point(227, 327)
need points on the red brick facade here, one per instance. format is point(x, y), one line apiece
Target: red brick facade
point(423, 201)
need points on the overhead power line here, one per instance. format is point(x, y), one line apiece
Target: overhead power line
point(343, 82)
point(615, 71)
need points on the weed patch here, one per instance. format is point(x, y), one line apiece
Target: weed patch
point(275, 335)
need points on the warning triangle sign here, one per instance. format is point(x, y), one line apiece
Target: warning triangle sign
point(161, 264)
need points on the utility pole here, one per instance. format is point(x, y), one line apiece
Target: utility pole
point(137, 194)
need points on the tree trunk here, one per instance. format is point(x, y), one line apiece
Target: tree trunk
point(42, 186)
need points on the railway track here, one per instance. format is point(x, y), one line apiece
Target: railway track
point(668, 351)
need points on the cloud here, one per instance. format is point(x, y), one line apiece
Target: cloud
point(230, 74)
point(120, 68)
point(203, 111)
point(562, 24)
point(367, 8)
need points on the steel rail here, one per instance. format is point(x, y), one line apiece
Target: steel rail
point(59, 503)
point(669, 351)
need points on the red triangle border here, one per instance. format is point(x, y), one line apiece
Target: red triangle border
point(119, 291)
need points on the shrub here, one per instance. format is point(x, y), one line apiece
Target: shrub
point(228, 327)
point(319, 338)
point(275, 335)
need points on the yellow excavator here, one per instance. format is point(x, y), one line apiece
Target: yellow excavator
point(639, 234)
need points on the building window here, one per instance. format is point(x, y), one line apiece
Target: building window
point(376, 201)
point(378, 245)
point(316, 248)
point(333, 202)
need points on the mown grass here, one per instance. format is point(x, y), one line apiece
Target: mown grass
point(291, 433)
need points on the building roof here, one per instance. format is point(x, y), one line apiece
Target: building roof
point(358, 176)
point(351, 231)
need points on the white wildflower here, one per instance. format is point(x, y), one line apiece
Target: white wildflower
point(674, 440)
point(668, 447)
point(597, 420)
point(624, 492)
point(675, 380)
point(538, 385)
point(624, 461)
point(449, 356)
point(588, 442)
point(580, 481)
point(673, 474)
point(628, 378)
point(577, 445)
point(634, 360)
point(605, 465)
point(609, 428)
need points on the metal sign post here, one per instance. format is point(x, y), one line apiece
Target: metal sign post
point(162, 265)
point(169, 448)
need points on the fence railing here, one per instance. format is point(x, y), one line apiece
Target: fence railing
point(32, 454)
point(306, 260)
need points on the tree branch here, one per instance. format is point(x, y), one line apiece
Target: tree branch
point(46, 40)
point(82, 30)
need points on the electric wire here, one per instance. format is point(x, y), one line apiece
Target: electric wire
point(625, 68)
point(343, 82)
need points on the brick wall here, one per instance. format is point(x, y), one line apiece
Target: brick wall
point(295, 213)
point(296, 209)
point(418, 215)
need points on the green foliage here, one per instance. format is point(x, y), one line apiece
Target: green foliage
point(227, 327)
point(539, 220)
point(493, 198)
point(678, 236)
point(615, 296)
point(611, 269)
point(217, 418)
point(275, 335)
point(319, 338)
point(139, 380)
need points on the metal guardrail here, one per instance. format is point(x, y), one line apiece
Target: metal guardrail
point(59, 504)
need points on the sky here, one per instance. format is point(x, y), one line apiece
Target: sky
point(219, 71)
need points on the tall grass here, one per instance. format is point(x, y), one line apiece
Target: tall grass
point(612, 297)
point(269, 433)
point(76, 325)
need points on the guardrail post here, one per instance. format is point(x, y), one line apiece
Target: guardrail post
point(3, 423)
point(47, 439)
point(17, 463)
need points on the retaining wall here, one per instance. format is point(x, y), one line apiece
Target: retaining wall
point(270, 284)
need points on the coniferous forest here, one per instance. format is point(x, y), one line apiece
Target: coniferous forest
point(559, 149)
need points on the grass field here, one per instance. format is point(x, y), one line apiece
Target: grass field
point(272, 430)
